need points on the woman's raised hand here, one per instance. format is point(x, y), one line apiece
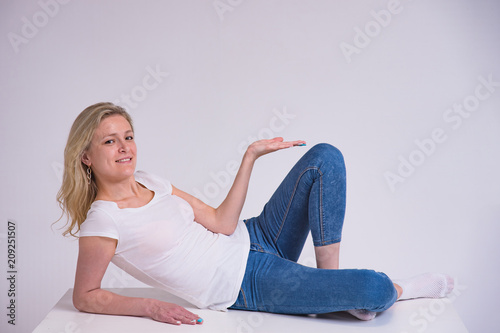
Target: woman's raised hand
point(262, 147)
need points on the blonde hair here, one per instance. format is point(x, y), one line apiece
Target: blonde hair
point(75, 195)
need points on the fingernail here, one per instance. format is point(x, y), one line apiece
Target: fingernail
point(199, 320)
point(302, 144)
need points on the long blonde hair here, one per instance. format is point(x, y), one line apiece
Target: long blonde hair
point(75, 195)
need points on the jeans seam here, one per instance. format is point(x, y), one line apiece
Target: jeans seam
point(322, 231)
point(327, 242)
point(244, 297)
point(258, 248)
point(290, 202)
point(274, 254)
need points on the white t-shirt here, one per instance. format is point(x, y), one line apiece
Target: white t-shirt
point(161, 245)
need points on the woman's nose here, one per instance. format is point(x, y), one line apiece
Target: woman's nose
point(123, 146)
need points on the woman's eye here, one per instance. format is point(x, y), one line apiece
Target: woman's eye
point(108, 142)
point(129, 138)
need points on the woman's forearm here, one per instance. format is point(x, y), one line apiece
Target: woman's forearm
point(105, 302)
point(228, 213)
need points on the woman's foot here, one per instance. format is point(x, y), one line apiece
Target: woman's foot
point(362, 314)
point(428, 285)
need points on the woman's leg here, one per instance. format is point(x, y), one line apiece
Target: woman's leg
point(278, 285)
point(310, 198)
point(327, 256)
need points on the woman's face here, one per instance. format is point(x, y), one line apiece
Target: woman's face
point(112, 152)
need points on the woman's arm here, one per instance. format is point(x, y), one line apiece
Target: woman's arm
point(224, 218)
point(94, 256)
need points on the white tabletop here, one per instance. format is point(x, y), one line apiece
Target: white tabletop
point(423, 315)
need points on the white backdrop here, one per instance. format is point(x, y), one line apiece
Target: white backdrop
point(408, 90)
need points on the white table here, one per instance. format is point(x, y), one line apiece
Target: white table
point(423, 315)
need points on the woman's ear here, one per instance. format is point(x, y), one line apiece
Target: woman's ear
point(85, 159)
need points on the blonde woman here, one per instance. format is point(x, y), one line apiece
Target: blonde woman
point(169, 239)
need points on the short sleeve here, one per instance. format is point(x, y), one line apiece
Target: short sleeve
point(99, 223)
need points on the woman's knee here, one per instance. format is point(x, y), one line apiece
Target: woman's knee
point(326, 149)
point(326, 154)
point(377, 289)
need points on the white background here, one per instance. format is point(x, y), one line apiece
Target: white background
point(232, 67)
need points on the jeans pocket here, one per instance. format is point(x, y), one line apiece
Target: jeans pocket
point(256, 247)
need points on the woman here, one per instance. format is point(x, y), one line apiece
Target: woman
point(171, 240)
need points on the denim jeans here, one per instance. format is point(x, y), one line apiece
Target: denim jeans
point(311, 198)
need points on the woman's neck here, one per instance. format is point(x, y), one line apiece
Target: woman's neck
point(118, 191)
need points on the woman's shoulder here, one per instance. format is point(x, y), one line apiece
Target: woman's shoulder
point(100, 221)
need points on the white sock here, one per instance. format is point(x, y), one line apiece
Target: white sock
point(428, 285)
point(362, 314)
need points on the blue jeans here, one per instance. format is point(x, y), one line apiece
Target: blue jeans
point(311, 198)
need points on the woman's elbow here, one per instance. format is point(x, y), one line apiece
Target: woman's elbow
point(232, 228)
point(225, 229)
point(229, 231)
point(78, 302)
point(81, 302)
point(221, 224)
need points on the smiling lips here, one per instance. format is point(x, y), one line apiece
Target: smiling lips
point(128, 159)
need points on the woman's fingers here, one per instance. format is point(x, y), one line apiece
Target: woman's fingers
point(285, 144)
point(288, 144)
point(174, 314)
point(262, 147)
point(299, 143)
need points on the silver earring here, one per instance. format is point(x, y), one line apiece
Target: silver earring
point(89, 175)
